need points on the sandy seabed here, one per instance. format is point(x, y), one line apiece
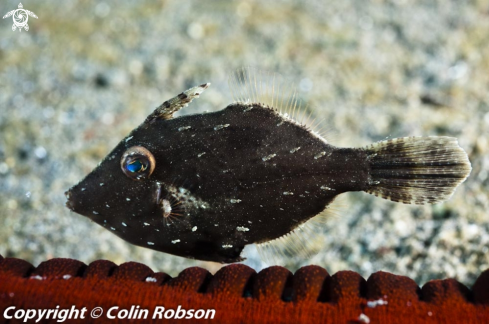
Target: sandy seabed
point(87, 73)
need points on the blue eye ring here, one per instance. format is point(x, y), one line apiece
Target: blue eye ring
point(137, 163)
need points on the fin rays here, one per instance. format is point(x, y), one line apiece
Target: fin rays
point(250, 85)
point(304, 241)
point(417, 170)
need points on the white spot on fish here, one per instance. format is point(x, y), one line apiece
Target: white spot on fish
point(129, 138)
point(199, 155)
point(184, 128)
point(83, 189)
point(112, 228)
point(95, 213)
point(124, 224)
point(151, 279)
point(319, 155)
point(218, 127)
point(146, 224)
point(234, 201)
point(326, 188)
point(242, 229)
point(295, 149)
point(36, 277)
point(288, 193)
point(151, 243)
point(128, 199)
point(268, 157)
point(216, 224)
point(107, 206)
point(227, 246)
point(66, 276)
point(194, 228)
point(175, 241)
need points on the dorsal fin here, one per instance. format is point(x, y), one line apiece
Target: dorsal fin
point(252, 85)
point(169, 107)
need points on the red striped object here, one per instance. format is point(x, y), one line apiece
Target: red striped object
point(240, 295)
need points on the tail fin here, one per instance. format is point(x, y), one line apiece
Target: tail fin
point(417, 170)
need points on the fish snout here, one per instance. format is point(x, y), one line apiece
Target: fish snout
point(70, 203)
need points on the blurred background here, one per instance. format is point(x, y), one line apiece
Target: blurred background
point(86, 73)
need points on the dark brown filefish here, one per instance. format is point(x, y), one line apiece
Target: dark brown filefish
point(203, 186)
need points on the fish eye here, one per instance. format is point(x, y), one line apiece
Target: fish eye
point(137, 163)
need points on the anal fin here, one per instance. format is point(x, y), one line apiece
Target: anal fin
point(305, 241)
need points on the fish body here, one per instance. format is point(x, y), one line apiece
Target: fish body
point(203, 186)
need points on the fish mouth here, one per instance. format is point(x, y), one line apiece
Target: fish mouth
point(69, 202)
